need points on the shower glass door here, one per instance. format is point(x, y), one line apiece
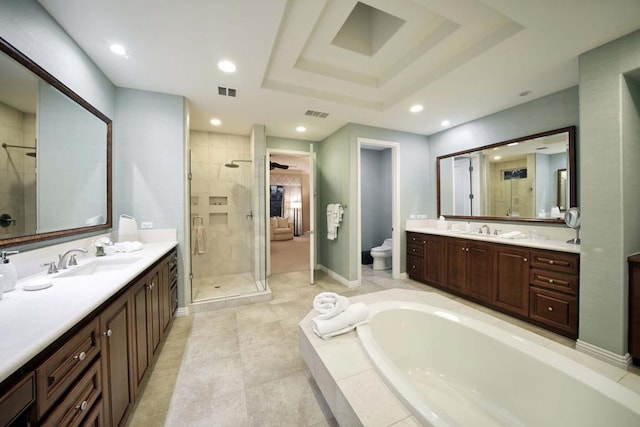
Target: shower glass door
point(223, 224)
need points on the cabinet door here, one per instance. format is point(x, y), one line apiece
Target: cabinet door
point(116, 370)
point(455, 261)
point(511, 290)
point(433, 259)
point(154, 320)
point(141, 305)
point(479, 270)
point(165, 295)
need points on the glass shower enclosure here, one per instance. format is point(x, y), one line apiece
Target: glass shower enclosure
point(227, 214)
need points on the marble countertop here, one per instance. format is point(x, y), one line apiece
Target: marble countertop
point(552, 245)
point(32, 320)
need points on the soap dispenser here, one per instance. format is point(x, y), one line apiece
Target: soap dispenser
point(8, 272)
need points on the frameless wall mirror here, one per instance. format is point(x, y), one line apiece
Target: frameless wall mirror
point(55, 156)
point(532, 178)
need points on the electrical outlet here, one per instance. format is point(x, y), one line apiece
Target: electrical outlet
point(146, 224)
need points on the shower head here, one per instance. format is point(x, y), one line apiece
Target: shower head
point(233, 163)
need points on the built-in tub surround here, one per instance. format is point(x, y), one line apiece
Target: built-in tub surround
point(357, 394)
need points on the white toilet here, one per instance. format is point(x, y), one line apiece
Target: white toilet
point(382, 255)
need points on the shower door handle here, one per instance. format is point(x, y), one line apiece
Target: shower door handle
point(249, 215)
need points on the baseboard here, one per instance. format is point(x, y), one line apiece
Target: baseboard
point(182, 312)
point(605, 355)
point(403, 276)
point(339, 278)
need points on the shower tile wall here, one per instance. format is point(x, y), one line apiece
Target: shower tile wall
point(17, 171)
point(222, 198)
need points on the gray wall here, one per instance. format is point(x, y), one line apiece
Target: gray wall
point(376, 193)
point(553, 111)
point(148, 159)
point(28, 27)
point(610, 202)
point(337, 182)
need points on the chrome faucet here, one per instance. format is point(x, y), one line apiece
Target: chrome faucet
point(62, 259)
point(486, 228)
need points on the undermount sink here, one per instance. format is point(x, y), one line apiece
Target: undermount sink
point(98, 266)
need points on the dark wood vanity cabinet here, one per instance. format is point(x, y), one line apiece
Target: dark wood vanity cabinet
point(91, 376)
point(540, 286)
point(117, 350)
point(512, 279)
point(634, 307)
point(468, 268)
point(424, 257)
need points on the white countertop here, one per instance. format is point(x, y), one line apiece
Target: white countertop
point(32, 320)
point(552, 245)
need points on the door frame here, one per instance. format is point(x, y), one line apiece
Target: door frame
point(311, 156)
point(395, 209)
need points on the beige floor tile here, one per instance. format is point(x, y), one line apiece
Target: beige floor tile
point(289, 401)
point(264, 364)
point(211, 378)
point(229, 410)
point(260, 335)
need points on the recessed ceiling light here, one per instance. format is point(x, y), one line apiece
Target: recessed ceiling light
point(215, 122)
point(512, 144)
point(301, 129)
point(416, 108)
point(227, 66)
point(496, 157)
point(118, 49)
point(444, 123)
point(525, 93)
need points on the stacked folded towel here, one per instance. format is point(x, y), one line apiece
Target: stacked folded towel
point(124, 247)
point(337, 315)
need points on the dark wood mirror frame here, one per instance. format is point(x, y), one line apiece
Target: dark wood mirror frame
point(572, 175)
point(21, 58)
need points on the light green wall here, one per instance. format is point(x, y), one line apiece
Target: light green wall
point(332, 184)
point(275, 142)
point(609, 156)
point(549, 112)
point(337, 182)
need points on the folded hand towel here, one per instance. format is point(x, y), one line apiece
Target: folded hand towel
point(124, 247)
point(329, 304)
point(356, 314)
point(513, 235)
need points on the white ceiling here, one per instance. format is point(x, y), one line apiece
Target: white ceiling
point(461, 59)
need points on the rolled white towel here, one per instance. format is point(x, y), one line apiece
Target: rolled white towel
point(330, 304)
point(356, 314)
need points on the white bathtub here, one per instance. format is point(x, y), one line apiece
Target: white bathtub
point(451, 370)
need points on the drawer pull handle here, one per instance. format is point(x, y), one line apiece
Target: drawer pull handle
point(550, 308)
point(80, 357)
point(467, 249)
point(551, 281)
point(83, 405)
point(108, 333)
point(525, 260)
point(463, 249)
point(551, 262)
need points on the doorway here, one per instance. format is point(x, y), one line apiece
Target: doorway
point(291, 199)
point(386, 215)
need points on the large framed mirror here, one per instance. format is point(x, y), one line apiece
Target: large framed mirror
point(55, 156)
point(532, 178)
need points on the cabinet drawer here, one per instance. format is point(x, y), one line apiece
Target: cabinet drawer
point(416, 250)
point(555, 281)
point(79, 401)
point(556, 261)
point(554, 309)
point(17, 399)
point(416, 238)
point(415, 266)
point(56, 374)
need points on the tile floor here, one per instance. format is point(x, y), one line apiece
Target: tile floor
point(241, 366)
